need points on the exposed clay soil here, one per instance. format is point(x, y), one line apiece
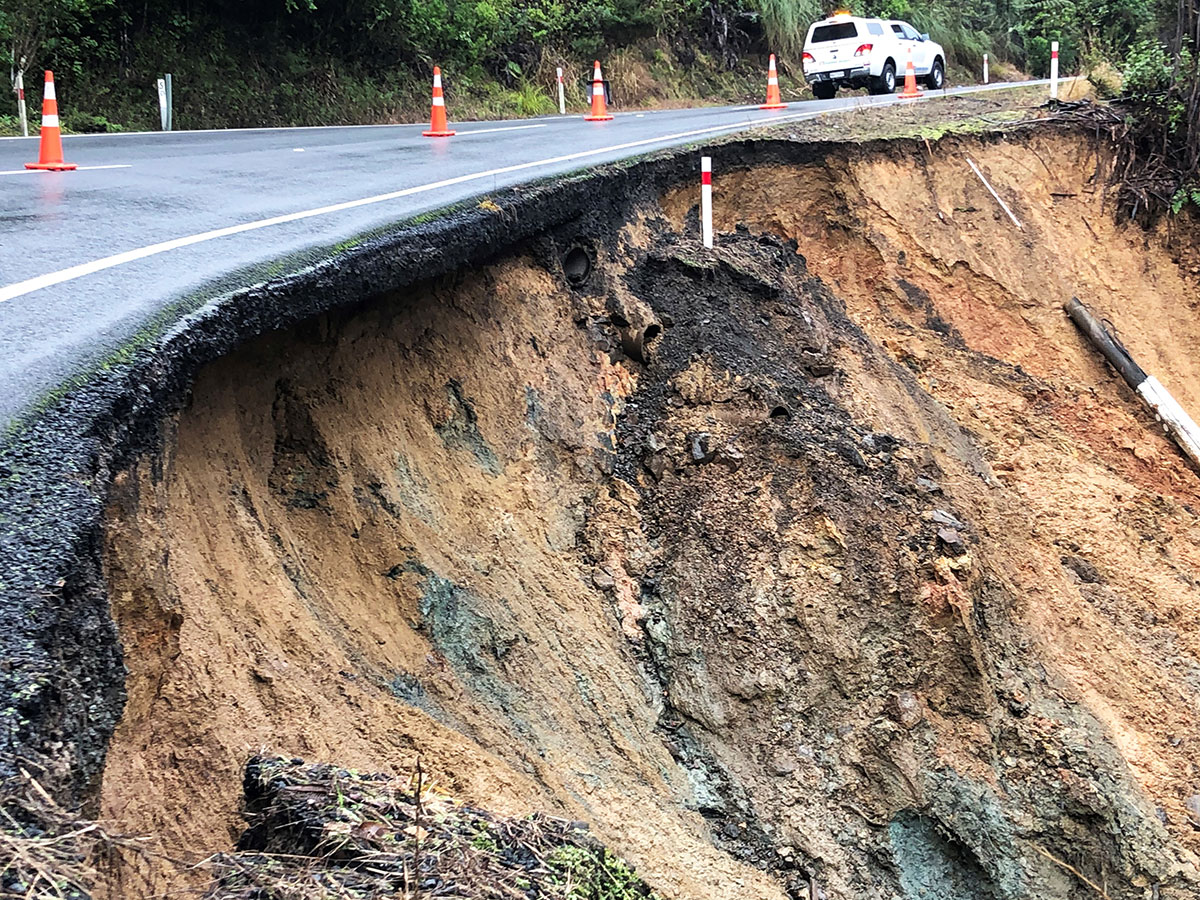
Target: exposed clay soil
point(867, 578)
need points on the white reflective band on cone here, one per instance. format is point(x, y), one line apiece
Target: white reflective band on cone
point(49, 121)
point(48, 94)
point(439, 101)
point(437, 80)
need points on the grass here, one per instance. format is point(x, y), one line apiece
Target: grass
point(645, 75)
point(211, 95)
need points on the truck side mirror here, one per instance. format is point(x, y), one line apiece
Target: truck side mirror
point(924, 37)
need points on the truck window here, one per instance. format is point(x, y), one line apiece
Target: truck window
point(838, 32)
point(911, 33)
point(875, 28)
point(896, 28)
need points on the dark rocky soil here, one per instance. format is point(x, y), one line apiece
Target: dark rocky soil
point(842, 674)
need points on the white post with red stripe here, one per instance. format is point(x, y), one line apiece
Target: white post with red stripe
point(706, 225)
point(1054, 70)
point(985, 69)
point(22, 114)
point(562, 94)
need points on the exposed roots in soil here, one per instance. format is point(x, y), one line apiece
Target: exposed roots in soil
point(318, 831)
point(1150, 163)
point(48, 852)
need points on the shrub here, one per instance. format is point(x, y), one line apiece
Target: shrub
point(86, 123)
point(1148, 70)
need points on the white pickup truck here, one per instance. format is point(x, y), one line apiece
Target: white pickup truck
point(849, 51)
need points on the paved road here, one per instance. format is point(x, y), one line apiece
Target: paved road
point(89, 256)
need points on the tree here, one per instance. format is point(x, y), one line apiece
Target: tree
point(29, 26)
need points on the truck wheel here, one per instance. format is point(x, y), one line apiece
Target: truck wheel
point(937, 76)
point(824, 90)
point(886, 82)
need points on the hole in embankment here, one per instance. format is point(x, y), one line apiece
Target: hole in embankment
point(456, 523)
point(577, 266)
point(635, 342)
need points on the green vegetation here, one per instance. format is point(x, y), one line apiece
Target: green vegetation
point(596, 874)
point(1020, 31)
point(277, 62)
point(1159, 143)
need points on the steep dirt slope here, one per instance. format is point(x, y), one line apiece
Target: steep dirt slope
point(367, 549)
point(876, 585)
point(1098, 508)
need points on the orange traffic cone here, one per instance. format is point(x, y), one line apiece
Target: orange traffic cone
point(599, 109)
point(910, 81)
point(50, 154)
point(774, 101)
point(438, 126)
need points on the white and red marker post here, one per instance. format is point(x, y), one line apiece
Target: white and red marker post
point(706, 225)
point(19, 88)
point(985, 69)
point(22, 114)
point(562, 94)
point(1054, 70)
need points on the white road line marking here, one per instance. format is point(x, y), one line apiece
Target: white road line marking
point(30, 285)
point(494, 130)
point(185, 132)
point(962, 89)
point(79, 169)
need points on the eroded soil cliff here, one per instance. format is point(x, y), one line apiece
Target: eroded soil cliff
point(847, 570)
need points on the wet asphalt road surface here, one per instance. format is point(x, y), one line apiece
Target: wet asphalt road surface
point(88, 258)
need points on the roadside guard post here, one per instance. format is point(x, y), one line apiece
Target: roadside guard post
point(50, 152)
point(985, 69)
point(706, 223)
point(562, 94)
point(162, 103)
point(19, 87)
point(1054, 70)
